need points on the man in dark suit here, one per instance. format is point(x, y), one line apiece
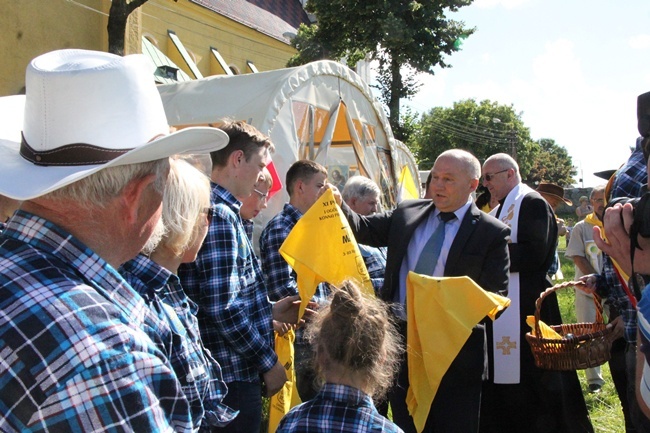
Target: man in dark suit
point(519, 396)
point(475, 245)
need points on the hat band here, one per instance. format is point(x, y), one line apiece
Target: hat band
point(70, 154)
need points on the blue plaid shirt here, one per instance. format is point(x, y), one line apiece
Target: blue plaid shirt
point(336, 408)
point(80, 349)
point(249, 225)
point(226, 281)
point(280, 278)
point(375, 260)
point(198, 372)
point(629, 181)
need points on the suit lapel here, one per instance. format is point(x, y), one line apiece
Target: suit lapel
point(467, 227)
point(405, 221)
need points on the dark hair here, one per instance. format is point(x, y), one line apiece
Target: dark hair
point(354, 332)
point(242, 136)
point(302, 170)
point(483, 198)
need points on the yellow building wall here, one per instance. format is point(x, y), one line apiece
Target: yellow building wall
point(34, 27)
point(200, 28)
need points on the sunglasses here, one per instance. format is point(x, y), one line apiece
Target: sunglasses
point(209, 213)
point(489, 176)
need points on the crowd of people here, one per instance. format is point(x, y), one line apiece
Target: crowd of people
point(133, 299)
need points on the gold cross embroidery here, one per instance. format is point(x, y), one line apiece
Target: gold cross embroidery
point(509, 215)
point(505, 345)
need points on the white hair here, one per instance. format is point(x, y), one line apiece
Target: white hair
point(186, 198)
point(359, 187)
point(99, 188)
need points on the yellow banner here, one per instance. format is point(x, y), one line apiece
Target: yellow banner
point(407, 188)
point(282, 402)
point(322, 248)
point(441, 312)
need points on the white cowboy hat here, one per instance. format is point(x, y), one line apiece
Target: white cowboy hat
point(86, 111)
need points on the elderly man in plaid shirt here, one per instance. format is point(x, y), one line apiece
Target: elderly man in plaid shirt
point(235, 315)
point(80, 349)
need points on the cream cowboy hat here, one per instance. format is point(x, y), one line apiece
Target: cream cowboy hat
point(86, 111)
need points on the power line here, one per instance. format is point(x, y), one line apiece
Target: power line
point(465, 137)
point(455, 129)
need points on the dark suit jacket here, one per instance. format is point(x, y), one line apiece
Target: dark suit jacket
point(479, 250)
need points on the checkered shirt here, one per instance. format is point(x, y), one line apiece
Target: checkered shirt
point(198, 372)
point(249, 225)
point(226, 282)
point(74, 355)
point(336, 408)
point(629, 181)
point(280, 278)
point(375, 260)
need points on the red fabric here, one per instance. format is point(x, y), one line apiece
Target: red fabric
point(277, 183)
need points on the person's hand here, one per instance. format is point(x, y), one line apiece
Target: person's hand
point(286, 310)
point(282, 328)
point(618, 220)
point(619, 328)
point(336, 193)
point(589, 283)
point(274, 379)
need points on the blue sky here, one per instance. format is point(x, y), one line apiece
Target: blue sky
point(572, 67)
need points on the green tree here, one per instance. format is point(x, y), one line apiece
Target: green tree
point(404, 36)
point(483, 128)
point(552, 163)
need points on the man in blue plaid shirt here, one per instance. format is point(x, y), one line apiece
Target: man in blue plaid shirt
point(235, 315)
point(305, 182)
point(80, 349)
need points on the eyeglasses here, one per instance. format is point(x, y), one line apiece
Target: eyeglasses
point(262, 195)
point(209, 213)
point(490, 176)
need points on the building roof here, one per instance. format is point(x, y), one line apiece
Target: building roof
point(274, 18)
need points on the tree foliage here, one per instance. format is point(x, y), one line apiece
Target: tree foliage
point(487, 128)
point(551, 163)
point(404, 36)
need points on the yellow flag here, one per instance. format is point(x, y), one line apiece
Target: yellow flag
point(547, 331)
point(407, 187)
point(322, 248)
point(282, 402)
point(441, 313)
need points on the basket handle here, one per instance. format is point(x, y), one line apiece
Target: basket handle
point(547, 292)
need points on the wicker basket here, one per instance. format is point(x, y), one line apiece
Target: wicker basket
point(589, 346)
